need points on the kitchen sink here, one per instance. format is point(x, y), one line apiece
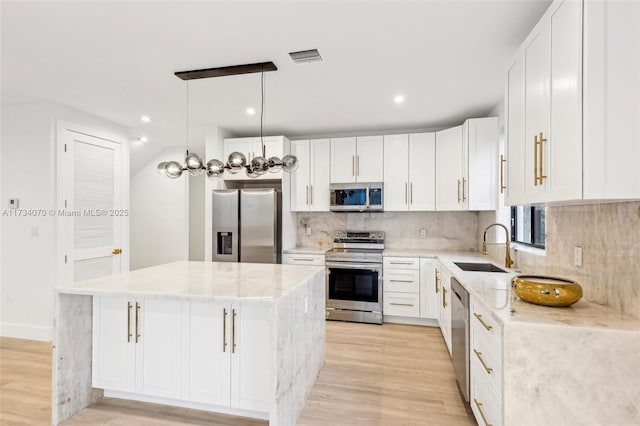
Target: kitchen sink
point(478, 267)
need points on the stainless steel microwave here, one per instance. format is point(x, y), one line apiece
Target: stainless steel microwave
point(356, 197)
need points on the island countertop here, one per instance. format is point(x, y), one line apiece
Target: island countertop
point(200, 280)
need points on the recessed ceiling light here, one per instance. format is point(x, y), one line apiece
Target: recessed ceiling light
point(251, 111)
point(145, 119)
point(143, 139)
point(398, 99)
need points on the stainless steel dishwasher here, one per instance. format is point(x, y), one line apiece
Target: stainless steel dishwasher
point(460, 336)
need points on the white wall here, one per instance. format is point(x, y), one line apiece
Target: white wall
point(28, 243)
point(159, 214)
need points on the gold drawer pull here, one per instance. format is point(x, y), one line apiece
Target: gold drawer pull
point(437, 280)
point(302, 260)
point(402, 281)
point(400, 263)
point(129, 322)
point(479, 405)
point(479, 355)
point(444, 297)
point(116, 251)
point(479, 317)
point(401, 304)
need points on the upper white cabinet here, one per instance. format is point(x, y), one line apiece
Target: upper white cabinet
point(357, 159)
point(310, 183)
point(466, 166)
point(409, 172)
point(572, 106)
point(274, 146)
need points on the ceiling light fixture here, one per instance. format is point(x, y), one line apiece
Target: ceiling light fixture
point(143, 139)
point(398, 99)
point(145, 119)
point(237, 161)
point(251, 111)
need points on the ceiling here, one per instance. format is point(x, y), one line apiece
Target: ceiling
point(116, 59)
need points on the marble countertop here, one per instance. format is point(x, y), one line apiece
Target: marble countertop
point(302, 250)
point(200, 280)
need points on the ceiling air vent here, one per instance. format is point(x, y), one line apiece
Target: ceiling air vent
point(305, 56)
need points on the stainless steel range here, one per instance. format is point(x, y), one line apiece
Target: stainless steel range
point(354, 277)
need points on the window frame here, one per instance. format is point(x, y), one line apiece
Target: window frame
point(514, 226)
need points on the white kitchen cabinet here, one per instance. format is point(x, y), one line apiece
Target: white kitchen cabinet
point(229, 355)
point(429, 289)
point(409, 172)
point(466, 166)
point(357, 159)
point(310, 183)
point(444, 317)
point(275, 146)
point(303, 259)
point(401, 286)
point(572, 106)
point(137, 345)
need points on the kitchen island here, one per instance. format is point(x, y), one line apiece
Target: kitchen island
point(236, 338)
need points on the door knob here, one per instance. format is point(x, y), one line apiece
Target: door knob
point(116, 251)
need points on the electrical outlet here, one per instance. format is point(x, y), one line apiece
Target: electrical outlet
point(14, 203)
point(423, 233)
point(306, 304)
point(577, 256)
point(308, 231)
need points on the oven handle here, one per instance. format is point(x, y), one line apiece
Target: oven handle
point(366, 266)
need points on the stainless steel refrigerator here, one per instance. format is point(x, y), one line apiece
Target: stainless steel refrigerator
point(247, 225)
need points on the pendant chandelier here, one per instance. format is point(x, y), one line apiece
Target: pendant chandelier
point(237, 161)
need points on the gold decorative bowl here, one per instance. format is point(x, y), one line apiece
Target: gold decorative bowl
point(546, 291)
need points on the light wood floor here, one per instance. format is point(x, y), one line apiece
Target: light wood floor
point(390, 375)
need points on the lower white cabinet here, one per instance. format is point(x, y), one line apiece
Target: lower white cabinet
point(206, 352)
point(401, 304)
point(303, 259)
point(444, 317)
point(401, 286)
point(429, 289)
point(485, 374)
point(137, 345)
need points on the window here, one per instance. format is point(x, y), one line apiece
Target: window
point(528, 225)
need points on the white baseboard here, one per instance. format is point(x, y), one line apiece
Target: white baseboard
point(24, 331)
point(392, 319)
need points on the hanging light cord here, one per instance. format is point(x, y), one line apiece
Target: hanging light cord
point(262, 110)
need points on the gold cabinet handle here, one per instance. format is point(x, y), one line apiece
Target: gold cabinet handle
point(353, 165)
point(437, 280)
point(310, 195)
point(444, 297)
point(464, 180)
point(224, 329)
point(129, 322)
point(479, 355)
point(535, 160)
point(402, 281)
point(116, 251)
point(400, 263)
point(406, 193)
point(306, 191)
point(411, 192)
point(458, 190)
point(541, 156)
point(401, 304)
point(233, 331)
point(137, 322)
point(357, 165)
point(479, 317)
point(302, 259)
point(502, 161)
point(479, 405)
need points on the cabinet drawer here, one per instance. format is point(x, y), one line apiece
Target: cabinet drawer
point(485, 404)
point(402, 281)
point(488, 352)
point(480, 316)
point(303, 259)
point(401, 304)
point(401, 263)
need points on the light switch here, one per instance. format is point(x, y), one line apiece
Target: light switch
point(308, 230)
point(35, 232)
point(577, 256)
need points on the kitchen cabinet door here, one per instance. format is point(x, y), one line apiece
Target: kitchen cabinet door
point(273, 147)
point(300, 179)
point(370, 159)
point(449, 175)
point(252, 357)
point(480, 166)
point(343, 160)
point(445, 306)
point(396, 175)
point(429, 289)
point(422, 172)
point(515, 133)
point(210, 353)
point(114, 347)
point(243, 145)
point(159, 351)
point(319, 175)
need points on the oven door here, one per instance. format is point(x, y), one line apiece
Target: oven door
point(354, 286)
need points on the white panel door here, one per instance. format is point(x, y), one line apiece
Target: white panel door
point(210, 353)
point(114, 357)
point(564, 147)
point(428, 291)
point(343, 160)
point(537, 56)
point(370, 159)
point(159, 348)
point(396, 176)
point(481, 184)
point(422, 172)
point(93, 195)
point(252, 357)
point(319, 177)
point(515, 132)
point(449, 174)
point(300, 179)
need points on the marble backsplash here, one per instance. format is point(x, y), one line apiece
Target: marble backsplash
point(609, 234)
point(445, 231)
